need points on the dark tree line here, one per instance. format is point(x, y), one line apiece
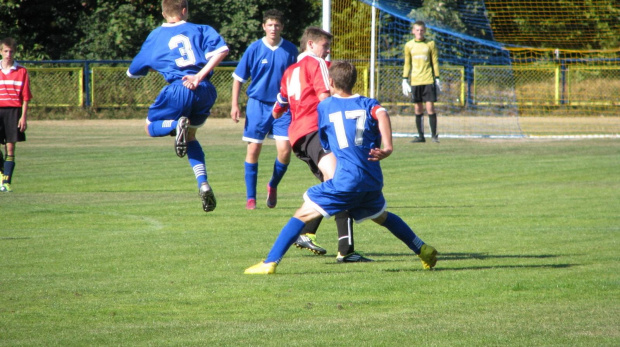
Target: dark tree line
point(115, 29)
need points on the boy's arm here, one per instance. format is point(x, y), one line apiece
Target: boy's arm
point(192, 81)
point(23, 124)
point(407, 65)
point(385, 128)
point(234, 109)
point(280, 106)
point(435, 59)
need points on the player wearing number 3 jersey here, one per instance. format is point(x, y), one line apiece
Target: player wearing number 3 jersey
point(185, 54)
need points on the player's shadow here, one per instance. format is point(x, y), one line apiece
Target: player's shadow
point(420, 207)
point(14, 238)
point(484, 256)
point(465, 256)
point(443, 257)
point(489, 267)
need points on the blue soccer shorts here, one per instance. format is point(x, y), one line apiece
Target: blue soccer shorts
point(259, 123)
point(361, 205)
point(176, 100)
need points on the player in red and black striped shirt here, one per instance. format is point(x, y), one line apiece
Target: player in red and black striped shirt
point(14, 97)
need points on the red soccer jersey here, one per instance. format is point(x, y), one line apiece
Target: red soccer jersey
point(301, 85)
point(14, 87)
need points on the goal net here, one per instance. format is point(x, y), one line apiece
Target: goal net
point(508, 68)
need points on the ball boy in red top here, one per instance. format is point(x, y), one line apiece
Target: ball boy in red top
point(304, 84)
point(14, 97)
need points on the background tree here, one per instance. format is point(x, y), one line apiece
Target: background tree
point(43, 29)
point(115, 29)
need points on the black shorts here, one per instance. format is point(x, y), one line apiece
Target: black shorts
point(9, 119)
point(424, 93)
point(309, 149)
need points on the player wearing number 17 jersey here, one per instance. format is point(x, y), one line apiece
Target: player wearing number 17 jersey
point(185, 54)
point(304, 85)
point(358, 131)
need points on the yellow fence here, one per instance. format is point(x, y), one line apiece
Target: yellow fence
point(519, 86)
point(546, 85)
point(57, 87)
point(112, 88)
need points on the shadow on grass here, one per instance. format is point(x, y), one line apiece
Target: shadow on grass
point(490, 267)
point(464, 256)
point(418, 207)
point(482, 256)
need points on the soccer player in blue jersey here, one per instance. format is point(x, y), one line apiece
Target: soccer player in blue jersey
point(185, 54)
point(358, 131)
point(264, 62)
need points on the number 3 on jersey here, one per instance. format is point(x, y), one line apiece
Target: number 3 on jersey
point(182, 43)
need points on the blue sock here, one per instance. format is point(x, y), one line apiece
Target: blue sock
point(279, 170)
point(9, 166)
point(404, 233)
point(285, 239)
point(251, 176)
point(196, 158)
point(161, 128)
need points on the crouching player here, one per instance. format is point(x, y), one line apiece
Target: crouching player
point(352, 127)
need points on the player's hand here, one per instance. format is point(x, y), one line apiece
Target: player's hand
point(438, 84)
point(190, 82)
point(377, 154)
point(406, 87)
point(234, 113)
point(22, 125)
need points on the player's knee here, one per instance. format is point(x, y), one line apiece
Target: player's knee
point(381, 219)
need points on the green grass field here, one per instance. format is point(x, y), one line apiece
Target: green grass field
point(103, 242)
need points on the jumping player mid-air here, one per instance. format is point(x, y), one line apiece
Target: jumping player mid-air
point(185, 54)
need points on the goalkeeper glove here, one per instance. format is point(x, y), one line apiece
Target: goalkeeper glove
point(438, 84)
point(406, 87)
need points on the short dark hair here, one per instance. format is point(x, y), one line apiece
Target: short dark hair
point(9, 42)
point(344, 75)
point(273, 14)
point(314, 34)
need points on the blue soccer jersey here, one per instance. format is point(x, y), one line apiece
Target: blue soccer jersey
point(348, 127)
point(265, 64)
point(177, 49)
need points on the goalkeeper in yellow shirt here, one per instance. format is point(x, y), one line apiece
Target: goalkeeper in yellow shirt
point(421, 79)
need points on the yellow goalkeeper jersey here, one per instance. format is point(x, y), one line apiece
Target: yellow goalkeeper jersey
point(420, 61)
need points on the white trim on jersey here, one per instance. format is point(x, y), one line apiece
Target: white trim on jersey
point(273, 48)
point(209, 55)
point(236, 77)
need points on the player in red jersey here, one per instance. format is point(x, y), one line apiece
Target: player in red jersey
point(14, 97)
point(304, 84)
